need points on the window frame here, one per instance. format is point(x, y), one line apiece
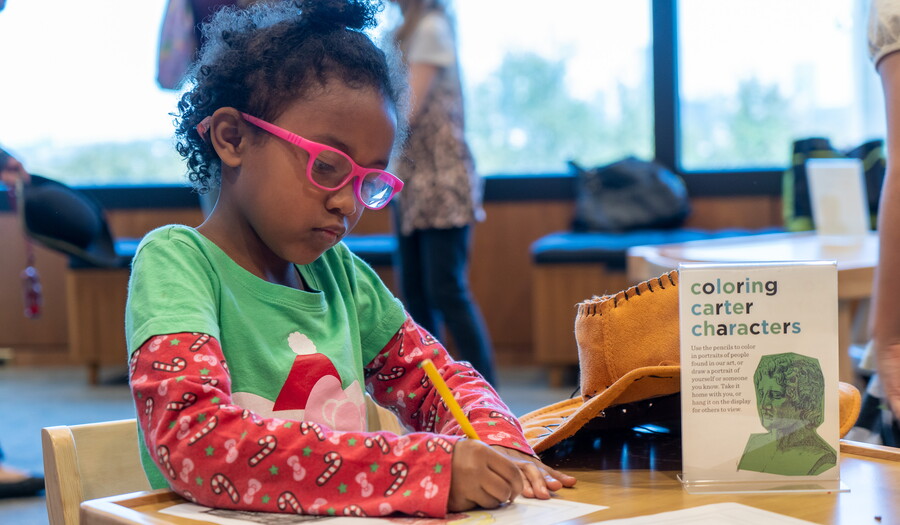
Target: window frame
point(549, 186)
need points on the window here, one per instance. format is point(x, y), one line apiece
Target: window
point(80, 102)
point(755, 76)
point(549, 82)
point(544, 83)
point(542, 86)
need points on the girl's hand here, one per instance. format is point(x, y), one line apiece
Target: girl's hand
point(538, 479)
point(482, 477)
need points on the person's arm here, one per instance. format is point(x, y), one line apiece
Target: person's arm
point(421, 78)
point(395, 379)
point(431, 48)
point(11, 170)
point(221, 455)
point(886, 289)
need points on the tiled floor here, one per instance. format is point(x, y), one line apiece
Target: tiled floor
point(32, 398)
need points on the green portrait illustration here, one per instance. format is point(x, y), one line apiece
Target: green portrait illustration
point(790, 399)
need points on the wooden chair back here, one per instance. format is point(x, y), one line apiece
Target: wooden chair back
point(378, 418)
point(83, 462)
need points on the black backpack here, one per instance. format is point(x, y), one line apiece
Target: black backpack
point(630, 194)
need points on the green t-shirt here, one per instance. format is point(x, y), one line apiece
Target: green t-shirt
point(271, 335)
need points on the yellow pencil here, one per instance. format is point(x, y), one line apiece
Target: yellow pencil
point(448, 398)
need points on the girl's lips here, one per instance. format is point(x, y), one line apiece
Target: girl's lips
point(333, 234)
point(337, 231)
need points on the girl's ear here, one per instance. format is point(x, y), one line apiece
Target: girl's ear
point(228, 135)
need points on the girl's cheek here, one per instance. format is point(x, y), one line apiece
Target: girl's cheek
point(354, 220)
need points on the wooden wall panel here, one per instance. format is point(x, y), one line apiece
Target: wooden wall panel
point(374, 221)
point(136, 223)
point(500, 271)
point(49, 331)
point(559, 288)
point(735, 212)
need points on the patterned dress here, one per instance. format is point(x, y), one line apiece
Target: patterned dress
point(441, 188)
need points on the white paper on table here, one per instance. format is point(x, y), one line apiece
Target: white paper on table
point(524, 510)
point(715, 514)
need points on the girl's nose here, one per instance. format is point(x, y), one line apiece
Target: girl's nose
point(344, 200)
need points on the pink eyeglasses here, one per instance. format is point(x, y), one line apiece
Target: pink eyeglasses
point(331, 169)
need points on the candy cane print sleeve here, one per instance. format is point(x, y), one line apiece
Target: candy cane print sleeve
point(396, 380)
point(217, 454)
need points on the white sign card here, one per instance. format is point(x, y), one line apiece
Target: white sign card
point(837, 192)
point(759, 376)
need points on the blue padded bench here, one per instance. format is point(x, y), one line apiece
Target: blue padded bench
point(611, 249)
point(375, 249)
point(569, 267)
point(378, 250)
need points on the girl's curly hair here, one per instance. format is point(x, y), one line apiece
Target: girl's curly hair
point(263, 58)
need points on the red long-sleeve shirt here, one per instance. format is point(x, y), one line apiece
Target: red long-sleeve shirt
point(221, 455)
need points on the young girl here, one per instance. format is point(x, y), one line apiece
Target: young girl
point(295, 113)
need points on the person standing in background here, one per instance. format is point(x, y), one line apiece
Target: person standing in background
point(179, 42)
point(884, 41)
point(442, 193)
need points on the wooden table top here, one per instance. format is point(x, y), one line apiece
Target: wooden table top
point(856, 261)
point(636, 476)
point(874, 494)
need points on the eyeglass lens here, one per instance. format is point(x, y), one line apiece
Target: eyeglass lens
point(375, 191)
point(330, 170)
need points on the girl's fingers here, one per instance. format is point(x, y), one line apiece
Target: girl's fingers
point(527, 492)
point(499, 489)
point(536, 479)
point(508, 473)
point(565, 480)
point(494, 491)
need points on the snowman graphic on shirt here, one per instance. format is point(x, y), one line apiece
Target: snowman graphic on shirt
point(312, 392)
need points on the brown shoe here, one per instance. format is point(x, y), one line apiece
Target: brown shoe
point(28, 486)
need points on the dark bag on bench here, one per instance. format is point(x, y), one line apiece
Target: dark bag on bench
point(630, 194)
